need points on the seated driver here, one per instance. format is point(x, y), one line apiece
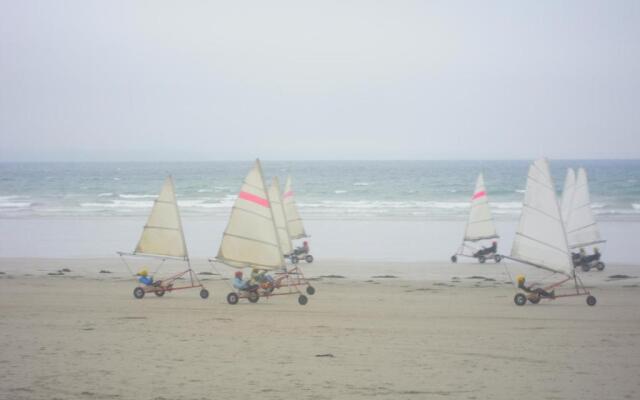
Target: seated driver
point(539, 291)
point(144, 277)
point(241, 284)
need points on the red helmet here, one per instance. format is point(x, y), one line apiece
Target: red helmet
point(238, 274)
point(305, 242)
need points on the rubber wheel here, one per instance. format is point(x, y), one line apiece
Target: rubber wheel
point(585, 267)
point(232, 298)
point(600, 266)
point(497, 258)
point(253, 297)
point(454, 259)
point(159, 293)
point(308, 258)
point(534, 299)
point(311, 290)
point(520, 299)
point(302, 299)
point(294, 259)
point(204, 293)
point(138, 293)
point(482, 259)
point(591, 300)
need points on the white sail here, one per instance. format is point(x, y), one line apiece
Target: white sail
point(296, 229)
point(279, 216)
point(582, 229)
point(567, 194)
point(541, 239)
point(250, 239)
point(163, 235)
point(480, 224)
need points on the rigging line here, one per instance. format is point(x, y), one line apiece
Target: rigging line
point(158, 267)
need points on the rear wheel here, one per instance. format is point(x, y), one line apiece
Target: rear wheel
point(138, 292)
point(232, 298)
point(591, 300)
point(534, 299)
point(159, 293)
point(497, 258)
point(204, 293)
point(454, 259)
point(253, 297)
point(520, 299)
point(600, 266)
point(482, 259)
point(311, 290)
point(585, 267)
point(308, 258)
point(302, 299)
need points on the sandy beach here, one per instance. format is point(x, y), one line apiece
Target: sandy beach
point(82, 335)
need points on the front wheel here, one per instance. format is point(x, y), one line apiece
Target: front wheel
point(308, 258)
point(253, 297)
point(600, 266)
point(497, 258)
point(138, 293)
point(482, 259)
point(586, 267)
point(591, 300)
point(159, 293)
point(303, 300)
point(454, 259)
point(232, 298)
point(310, 290)
point(294, 259)
point(204, 293)
point(520, 299)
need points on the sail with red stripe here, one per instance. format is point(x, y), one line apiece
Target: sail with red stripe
point(480, 224)
point(251, 239)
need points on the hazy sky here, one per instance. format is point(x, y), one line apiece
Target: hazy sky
point(109, 80)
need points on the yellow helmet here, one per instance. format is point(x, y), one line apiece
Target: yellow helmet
point(143, 272)
point(520, 279)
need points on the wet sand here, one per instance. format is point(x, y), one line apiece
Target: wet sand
point(82, 335)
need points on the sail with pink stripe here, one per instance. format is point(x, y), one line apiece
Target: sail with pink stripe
point(294, 222)
point(480, 224)
point(251, 238)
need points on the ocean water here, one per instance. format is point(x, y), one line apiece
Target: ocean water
point(325, 190)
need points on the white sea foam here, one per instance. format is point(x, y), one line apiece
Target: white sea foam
point(205, 190)
point(15, 204)
point(361, 184)
point(636, 206)
point(138, 196)
point(107, 194)
point(119, 204)
point(340, 191)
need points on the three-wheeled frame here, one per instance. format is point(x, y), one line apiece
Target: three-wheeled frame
point(469, 251)
point(534, 298)
point(160, 287)
point(285, 282)
point(299, 254)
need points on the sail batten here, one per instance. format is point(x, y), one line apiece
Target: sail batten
point(480, 224)
point(541, 239)
point(162, 235)
point(294, 222)
point(251, 239)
